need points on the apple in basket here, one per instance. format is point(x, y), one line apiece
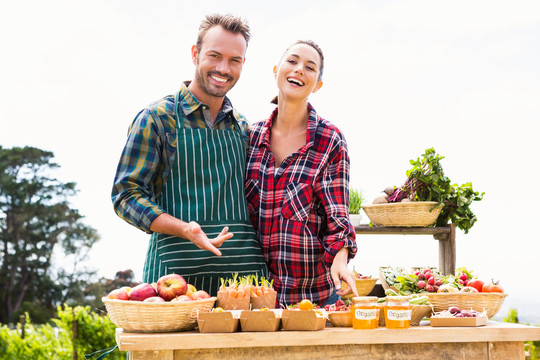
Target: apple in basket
point(181, 298)
point(141, 292)
point(171, 285)
point(120, 294)
point(191, 290)
point(154, 299)
point(199, 295)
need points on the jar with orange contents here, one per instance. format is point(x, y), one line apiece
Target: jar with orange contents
point(397, 312)
point(365, 313)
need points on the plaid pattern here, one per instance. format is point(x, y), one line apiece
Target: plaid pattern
point(151, 145)
point(300, 210)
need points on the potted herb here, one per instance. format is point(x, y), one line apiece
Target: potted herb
point(356, 200)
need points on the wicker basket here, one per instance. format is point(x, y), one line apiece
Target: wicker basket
point(409, 214)
point(419, 312)
point(363, 287)
point(138, 316)
point(340, 318)
point(489, 302)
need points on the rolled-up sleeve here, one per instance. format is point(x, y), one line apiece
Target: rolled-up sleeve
point(333, 191)
point(134, 189)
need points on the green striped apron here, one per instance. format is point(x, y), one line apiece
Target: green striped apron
point(206, 185)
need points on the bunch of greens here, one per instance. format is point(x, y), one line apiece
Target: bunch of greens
point(426, 181)
point(356, 199)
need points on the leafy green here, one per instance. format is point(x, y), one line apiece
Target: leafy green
point(426, 181)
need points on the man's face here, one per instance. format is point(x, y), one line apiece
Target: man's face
point(219, 61)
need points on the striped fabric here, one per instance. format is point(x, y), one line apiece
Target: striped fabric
point(300, 209)
point(150, 148)
point(206, 185)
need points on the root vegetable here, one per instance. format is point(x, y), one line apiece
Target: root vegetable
point(383, 199)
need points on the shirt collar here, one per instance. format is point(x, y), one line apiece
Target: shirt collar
point(264, 138)
point(190, 103)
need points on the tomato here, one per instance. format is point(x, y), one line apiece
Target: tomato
point(305, 305)
point(492, 287)
point(477, 284)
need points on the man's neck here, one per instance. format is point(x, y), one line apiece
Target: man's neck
point(213, 102)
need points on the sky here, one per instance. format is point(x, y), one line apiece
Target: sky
point(400, 77)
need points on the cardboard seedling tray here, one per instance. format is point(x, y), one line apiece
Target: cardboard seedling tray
point(465, 321)
point(218, 322)
point(259, 321)
point(267, 300)
point(302, 320)
point(227, 302)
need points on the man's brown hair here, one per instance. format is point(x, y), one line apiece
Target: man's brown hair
point(229, 22)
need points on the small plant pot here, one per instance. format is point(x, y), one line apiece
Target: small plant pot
point(355, 219)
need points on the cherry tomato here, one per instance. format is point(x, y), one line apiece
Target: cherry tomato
point(477, 284)
point(492, 287)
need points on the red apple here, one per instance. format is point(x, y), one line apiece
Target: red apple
point(154, 285)
point(141, 292)
point(120, 294)
point(154, 299)
point(181, 298)
point(170, 286)
point(199, 295)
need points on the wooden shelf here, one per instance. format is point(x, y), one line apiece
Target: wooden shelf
point(445, 235)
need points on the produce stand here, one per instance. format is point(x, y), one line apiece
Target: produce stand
point(445, 234)
point(494, 341)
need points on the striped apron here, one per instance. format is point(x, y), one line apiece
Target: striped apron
point(206, 185)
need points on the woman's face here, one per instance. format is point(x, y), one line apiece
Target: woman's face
point(298, 72)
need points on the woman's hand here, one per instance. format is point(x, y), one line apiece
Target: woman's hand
point(340, 271)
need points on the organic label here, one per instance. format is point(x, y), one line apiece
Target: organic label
point(365, 314)
point(399, 315)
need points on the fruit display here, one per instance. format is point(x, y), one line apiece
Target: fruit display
point(169, 288)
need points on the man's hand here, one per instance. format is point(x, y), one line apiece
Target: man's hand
point(199, 238)
point(167, 224)
point(340, 271)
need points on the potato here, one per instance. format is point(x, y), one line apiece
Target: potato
point(383, 199)
point(389, 190)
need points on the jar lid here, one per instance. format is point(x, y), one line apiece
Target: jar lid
point(397, 298)
point(364, 299)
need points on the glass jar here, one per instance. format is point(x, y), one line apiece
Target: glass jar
point(365, 313)
point(397, 312)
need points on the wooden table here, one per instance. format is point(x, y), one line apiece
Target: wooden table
point(445, 234)
point(495, 341)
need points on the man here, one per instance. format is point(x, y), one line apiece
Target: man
point(181, 173)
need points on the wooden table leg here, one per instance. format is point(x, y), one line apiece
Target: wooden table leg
point(447, 251)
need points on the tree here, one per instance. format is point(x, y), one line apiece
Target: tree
point(35, 219)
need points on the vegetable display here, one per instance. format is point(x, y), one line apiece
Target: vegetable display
point(430, 280)
point(426, 181)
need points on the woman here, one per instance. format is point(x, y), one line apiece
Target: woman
point(297, 186)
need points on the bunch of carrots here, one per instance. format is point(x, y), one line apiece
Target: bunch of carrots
point(248, 285)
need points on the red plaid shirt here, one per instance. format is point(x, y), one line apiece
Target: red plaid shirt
point(300, 210)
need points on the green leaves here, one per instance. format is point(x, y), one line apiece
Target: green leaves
point(356, 199)
point(426, 181)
